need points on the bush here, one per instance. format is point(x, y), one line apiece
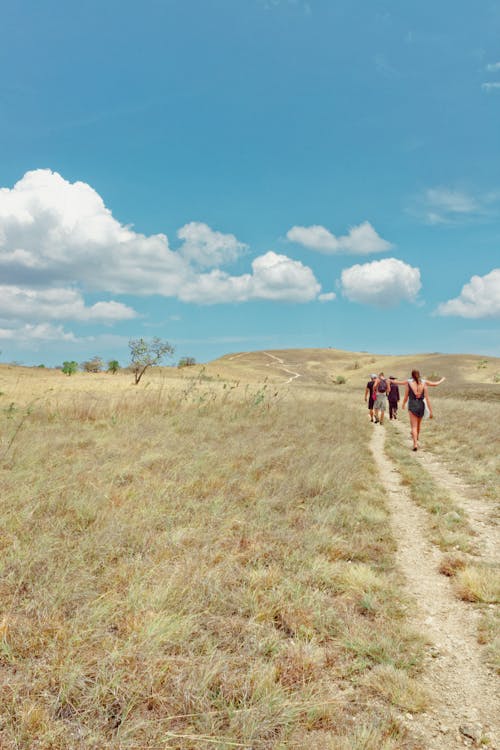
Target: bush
point(186, 362)
point(92, 365)
point(69, 368)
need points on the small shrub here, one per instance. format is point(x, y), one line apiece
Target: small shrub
point(478, 584)
point(186, 362)
point(69, 368)
point(451, 564)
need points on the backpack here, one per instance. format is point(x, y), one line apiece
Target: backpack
point(382, 386)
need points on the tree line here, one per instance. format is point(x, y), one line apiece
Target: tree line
point(143, 354)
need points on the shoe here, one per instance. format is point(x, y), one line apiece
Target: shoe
point(376, 421)
point(415, 449)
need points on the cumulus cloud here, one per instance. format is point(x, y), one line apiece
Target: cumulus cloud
point(58, 240)
point(381, 283)
point(493, 67)
point(274, 277)
point(58, 304)
point(36, 333)
point(362, 239)
point(207, 248)
point(479, 298)
point(54, 232)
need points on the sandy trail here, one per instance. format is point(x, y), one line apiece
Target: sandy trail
point(464, 690)
point(280, 361)
point(481, 514)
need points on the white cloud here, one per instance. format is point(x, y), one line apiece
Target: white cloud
point(479, 298)
point(57, 236)
point(54, 232)
point(488, 87)
point(58, 304)
point(41, 333)
point(447, 205)
point(207, 248)
point(362, 239)
point(274, 277)
point(382, 283)
point(451, 201)
point(493, 67)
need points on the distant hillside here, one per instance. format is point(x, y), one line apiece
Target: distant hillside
point(321, 367)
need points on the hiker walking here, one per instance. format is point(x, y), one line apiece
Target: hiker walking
point(417, 396)
point(369, 396)
point(381, 389)
point(393, 398)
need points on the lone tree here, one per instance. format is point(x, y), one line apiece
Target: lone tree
point(92, 365)
point(144, 354)
point(113, 366)
point(69, 368)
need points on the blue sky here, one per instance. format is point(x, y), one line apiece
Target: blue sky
point(233, 175)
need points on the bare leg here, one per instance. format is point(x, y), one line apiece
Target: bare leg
point(419, 422)
point(415, 429)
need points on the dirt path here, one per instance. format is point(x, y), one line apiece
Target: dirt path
point(480, 514)
point(464, 692)
point(280, 361)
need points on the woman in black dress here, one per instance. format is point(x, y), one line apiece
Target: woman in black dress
point(415, 393)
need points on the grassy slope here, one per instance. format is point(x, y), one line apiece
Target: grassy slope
point(196, 560)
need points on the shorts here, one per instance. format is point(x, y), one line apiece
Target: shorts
point(370, 403)
point(380, 402)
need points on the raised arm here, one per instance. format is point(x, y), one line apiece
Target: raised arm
point(434, 382)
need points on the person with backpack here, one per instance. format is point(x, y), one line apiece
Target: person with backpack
point(393, 398)
point(369, 395)
point(381, 389)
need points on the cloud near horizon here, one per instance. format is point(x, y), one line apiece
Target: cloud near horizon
point(361, 239)
point(479, 298)
point(381, 283)
point(58, 241)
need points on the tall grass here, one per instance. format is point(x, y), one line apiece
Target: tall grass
point(204, 567)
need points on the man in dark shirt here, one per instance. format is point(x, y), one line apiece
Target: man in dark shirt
point(393, 399)
point(369, 395)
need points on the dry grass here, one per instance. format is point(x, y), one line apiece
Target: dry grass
point(464, 435)
point(195, 563)
point(448, 525)
point(478, 583)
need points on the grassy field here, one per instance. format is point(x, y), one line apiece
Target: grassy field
point(205, 560)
